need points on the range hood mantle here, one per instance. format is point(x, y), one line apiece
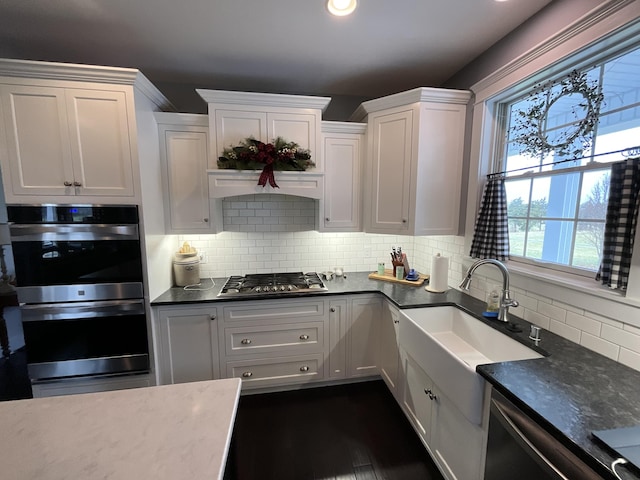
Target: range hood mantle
point(235, 116)
point(229, 183)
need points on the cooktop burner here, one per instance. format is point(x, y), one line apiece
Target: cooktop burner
point(272, 283)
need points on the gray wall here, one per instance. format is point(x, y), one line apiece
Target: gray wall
point(550, 20)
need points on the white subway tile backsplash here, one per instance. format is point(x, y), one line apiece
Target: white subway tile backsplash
point(629, 358)
point(621, 337)
point(534, 317)
point(583, 323)
point(564, 330)
point(599, 345)
point(552, 311)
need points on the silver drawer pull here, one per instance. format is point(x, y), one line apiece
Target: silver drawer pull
point(245, 341)
point(247, 374)
point(304, 337)
point(67, 184)
point(304, 368)
point(332, 309)
point(77, 184)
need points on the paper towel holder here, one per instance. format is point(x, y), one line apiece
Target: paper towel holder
point(431, 287)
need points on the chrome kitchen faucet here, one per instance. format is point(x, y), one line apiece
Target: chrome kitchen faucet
point(505, 299)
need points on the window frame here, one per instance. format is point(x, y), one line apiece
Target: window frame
point(608, 28)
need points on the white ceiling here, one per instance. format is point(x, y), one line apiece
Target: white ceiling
point(279, 46)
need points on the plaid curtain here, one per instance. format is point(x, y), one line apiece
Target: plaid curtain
point(491, 235)
point(620, 224)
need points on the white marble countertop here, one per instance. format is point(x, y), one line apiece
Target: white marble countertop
point(165, 432)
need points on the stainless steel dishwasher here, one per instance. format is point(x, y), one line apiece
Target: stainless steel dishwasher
point(520, 448)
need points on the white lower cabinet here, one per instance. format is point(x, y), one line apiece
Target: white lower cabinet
point(186, 344)
point(362, 335)
point(455, 444)
point(273, 343)
point(389, 356)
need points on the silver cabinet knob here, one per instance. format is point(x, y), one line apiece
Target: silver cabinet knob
point(77, 184)
point(247, 374)
point(304, 337)
point(206, 220)
point(395, 320)
point(332, 309)
point(67, 184)
point(404, 220)
point(212, 317)
point(304, 368)
point(327, 219)
point(245, 341)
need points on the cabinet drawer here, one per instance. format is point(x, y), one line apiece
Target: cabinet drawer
point(265, 372)
point(300, 338)
point(274, 311)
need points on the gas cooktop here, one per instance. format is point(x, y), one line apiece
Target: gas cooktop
point(272, 283)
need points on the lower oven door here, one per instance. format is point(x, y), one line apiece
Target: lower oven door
point(85, 338)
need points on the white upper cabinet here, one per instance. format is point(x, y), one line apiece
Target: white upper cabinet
point(414, 161)
point(63, 141)
point(234, 116)
point(184, 152)
point(75, 133)
point(343, 148)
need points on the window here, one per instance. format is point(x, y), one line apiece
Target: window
point(557, 210)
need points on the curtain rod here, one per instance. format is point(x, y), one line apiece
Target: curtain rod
point(628, 152)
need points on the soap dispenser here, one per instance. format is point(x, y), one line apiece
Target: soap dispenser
point(493, 304)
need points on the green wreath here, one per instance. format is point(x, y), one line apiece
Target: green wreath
point(252, 154)
point(528, 125)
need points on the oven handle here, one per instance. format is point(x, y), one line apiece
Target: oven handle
point(81, 310)
point(65, 232)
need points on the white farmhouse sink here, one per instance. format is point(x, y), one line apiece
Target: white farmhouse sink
point(448, 344)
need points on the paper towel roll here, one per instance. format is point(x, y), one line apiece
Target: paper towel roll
point(439, 276)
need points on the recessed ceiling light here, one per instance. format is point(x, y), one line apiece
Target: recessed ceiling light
point(341, 7)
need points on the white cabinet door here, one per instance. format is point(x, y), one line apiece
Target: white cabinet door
point(187, 344)
point(184, 153)
point(300, 128)
point(390, 137)
point(363, 335)
point(67, 141)
point(338, 315)
point(38, 143)
point(340, 207)
point(416, 401)
point(452, 433)
point(100, 143)
point(389, 355)
point(233, 126)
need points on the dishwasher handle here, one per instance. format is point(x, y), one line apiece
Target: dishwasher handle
point(552, 456)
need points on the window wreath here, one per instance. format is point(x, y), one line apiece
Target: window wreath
point(252, 154)
point(529, 126)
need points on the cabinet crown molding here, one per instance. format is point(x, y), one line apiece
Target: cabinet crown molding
point(343, 127)
point(72, 72)
point(263, 99)
point(187, 119)
point(420, 94)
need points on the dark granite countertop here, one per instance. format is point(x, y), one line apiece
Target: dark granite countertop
point(571, 391)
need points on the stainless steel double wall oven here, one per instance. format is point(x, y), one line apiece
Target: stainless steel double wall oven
point(79, 282)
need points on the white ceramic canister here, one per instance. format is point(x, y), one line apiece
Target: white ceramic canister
point(186, 270)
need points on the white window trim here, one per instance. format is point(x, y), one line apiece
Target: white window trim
point(604, 21)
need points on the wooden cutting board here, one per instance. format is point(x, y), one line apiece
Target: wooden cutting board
point(388, 277)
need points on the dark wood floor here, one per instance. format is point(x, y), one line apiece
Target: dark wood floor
point(346, 432)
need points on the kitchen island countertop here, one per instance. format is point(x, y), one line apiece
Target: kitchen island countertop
point(571, 391)
point(172, 432)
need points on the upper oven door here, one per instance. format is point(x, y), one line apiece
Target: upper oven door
point(65, 262)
